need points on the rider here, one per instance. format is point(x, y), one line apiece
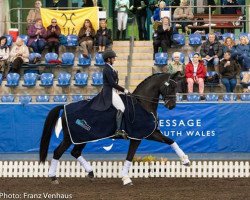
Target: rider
point(109, 94)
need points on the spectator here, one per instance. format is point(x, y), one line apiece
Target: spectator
point(34, 14)
point(86, 37)
point(122, 6)
point(229, 68)
point(184, 14)
point(232, 9)
point(228, 45)
point(4, 56)
point(195, 73)
point(175, 3)
point(18, 55)
point(156, 18)
point(242, 52)
point(87, 3)
point(211, 52)
point(178, 67)
point(163, 36)
point(37, 36)
point(103, 36)
point(53, 32)
point(140, 9)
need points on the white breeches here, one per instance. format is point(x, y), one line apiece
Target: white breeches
point(122, 18)
point(117, 101)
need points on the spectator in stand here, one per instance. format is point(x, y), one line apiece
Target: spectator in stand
point(87, 3)
point(242, 53)
point(229, 68)
point(232, 9)
point(211, 52)
point(163, 36)
point(175, 3)
point(4, 56)
point(178, 67)
point(156, 18)
point(103, 36)
point(228, 45)
point(19, 54)
point(86, 37)
point(34, 14)
point(37, 35)
point(184, 14)
point(122, 6)
point(53, 32)
point(140, 9)
point(195, 73)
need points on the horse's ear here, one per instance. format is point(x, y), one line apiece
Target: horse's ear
point(175, 76)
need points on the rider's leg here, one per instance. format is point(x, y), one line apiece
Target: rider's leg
point(159, 137)
point(76, 153)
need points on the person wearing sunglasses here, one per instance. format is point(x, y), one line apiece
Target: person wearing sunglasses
point(53, 32)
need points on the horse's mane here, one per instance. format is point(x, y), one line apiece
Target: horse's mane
point(147, 79)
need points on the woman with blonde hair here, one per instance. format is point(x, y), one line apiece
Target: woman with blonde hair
point(228, 45)
point(19, 54)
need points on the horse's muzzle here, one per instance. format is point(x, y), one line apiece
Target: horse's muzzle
point(170, 104)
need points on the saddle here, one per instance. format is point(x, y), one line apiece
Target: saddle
point(85, 124)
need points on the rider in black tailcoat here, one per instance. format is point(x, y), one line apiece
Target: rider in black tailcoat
point(109, 96)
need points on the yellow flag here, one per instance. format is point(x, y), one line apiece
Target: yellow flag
point(70, 21)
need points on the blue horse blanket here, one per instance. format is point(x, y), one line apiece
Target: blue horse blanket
point(85, 124)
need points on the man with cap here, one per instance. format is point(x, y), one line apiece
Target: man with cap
point(109, 96)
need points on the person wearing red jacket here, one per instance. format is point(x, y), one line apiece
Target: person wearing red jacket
point(195, 73)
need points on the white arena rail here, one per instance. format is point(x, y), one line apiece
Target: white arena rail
point(112, 169)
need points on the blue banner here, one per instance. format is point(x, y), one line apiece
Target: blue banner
point(197, 128)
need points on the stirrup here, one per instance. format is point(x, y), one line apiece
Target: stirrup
point(121, 133)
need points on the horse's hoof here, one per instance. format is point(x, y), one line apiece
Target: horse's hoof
point(91, 175)
point(54, 181)
point(127, 181)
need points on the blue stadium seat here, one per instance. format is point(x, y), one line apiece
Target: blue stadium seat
point(245, 97)
point(244, 34)
point(25, 99)
point(83, 61)
point(1, 78)
point(161, 59)
point(99, 60)
point(190, 56)
point(195, 39)
point(193, 97)
point(179, 39)
point(212, 97)
point(12, 80)
point(50, 57)
point(81, 79)
point(214, 83)
point(64, 79)
point(60, 98)
point(47, 79)
point(32, 57)
point(182, 57)
point(230, 97)
point(68, 59)
point(25, 38)
point(97, 79)
point(225, 35)
point(30, 79)
point(9, 40)
point(42, 98)
point(179, 97)
point(8, 98)
point(72, 40)
point(78, 97)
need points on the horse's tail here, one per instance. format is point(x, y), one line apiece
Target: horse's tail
point(49, 124)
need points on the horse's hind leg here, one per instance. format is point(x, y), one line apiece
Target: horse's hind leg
point(77, 154)
point(159, 137)
point(128, 162)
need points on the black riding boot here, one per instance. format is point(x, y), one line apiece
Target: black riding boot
point(123, 34)
point(119, 132)
point(118, 34)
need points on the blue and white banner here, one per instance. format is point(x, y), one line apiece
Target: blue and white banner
point(197, 128)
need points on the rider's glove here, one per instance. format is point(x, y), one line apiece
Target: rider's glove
point(126, 91)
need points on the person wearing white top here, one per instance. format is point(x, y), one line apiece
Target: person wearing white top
point(4, 56)
point(122, 6)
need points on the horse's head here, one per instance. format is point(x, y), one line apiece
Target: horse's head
point(168, 91)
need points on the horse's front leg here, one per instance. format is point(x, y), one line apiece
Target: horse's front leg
point(133, 145)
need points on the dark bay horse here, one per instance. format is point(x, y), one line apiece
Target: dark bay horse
point(147, 94)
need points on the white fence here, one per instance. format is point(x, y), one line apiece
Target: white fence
point(112, 169)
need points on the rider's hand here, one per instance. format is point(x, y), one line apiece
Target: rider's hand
point(126, 91)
